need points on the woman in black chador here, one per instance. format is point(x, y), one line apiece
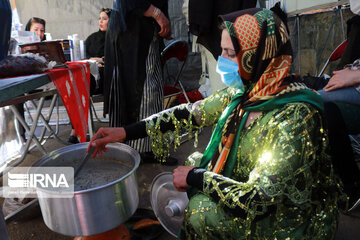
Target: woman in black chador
point(95, 43)
point(133, 70)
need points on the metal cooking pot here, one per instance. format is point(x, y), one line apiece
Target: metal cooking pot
point(95, 210)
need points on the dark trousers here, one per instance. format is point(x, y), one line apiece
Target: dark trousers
point(340, 148)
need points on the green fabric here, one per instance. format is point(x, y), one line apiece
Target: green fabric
point(351, 116)
point(307, 96)
point(216, 136)
point(281, 158)
point(299, 180)
point(304, 95)
point(230, 163)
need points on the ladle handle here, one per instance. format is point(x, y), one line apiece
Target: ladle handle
point(86, 158)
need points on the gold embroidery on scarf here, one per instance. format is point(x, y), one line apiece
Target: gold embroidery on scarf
point(270, 47)
point(272, 78)
point(283, 33)
point(246, 60)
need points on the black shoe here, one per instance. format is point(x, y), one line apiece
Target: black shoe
point(148, 157)
point(73, 140)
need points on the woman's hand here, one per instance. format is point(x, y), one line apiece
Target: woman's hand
point(98, 60)
point(108, 135)
point(179, 177)
point(161, 19)
point(343, 79)
point(164, 23)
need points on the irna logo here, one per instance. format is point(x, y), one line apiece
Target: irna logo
point(34, 180)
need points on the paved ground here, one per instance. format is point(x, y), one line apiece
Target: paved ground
point(35, 229)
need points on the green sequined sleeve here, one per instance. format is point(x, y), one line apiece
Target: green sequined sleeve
point(205, 113)
point(281, 159)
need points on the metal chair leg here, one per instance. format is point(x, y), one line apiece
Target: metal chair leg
point(94, 110)
point(355, 143)
point(45, 121)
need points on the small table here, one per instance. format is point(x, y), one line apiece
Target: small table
point(16, 90)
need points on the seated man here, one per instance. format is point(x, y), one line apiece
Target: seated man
point(265, 173)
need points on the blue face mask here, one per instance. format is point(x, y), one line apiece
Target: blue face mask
point(229, 72)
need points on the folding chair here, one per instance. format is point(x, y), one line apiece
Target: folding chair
point(335, 55)
point(177, 49)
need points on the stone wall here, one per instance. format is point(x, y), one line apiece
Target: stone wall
point(316, 40)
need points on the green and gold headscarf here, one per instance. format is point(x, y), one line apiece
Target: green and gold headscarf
point(263, 49)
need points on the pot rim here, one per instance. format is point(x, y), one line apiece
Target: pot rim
point(81, 145)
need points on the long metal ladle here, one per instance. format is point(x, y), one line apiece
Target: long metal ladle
point(35, 203)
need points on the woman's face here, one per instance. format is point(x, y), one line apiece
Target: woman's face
point(103, 21)
point(227, 46)
point(39, 29)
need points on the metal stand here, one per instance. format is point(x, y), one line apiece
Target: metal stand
point(32, 138)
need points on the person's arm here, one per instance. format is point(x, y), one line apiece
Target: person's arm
point(88, 43)
point(139, 130)
point(145, 8)
point(202, 113)
point(284, 155)
point(168, 123)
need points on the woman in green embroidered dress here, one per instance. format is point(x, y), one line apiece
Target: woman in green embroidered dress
point(265, 173)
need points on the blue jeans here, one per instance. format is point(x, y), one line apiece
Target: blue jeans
point(348, 102)
point(347, 95)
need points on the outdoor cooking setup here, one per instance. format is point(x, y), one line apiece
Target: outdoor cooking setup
point(106, 188)
point(105, 193)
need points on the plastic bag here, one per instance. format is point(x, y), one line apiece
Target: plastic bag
point(11, 205)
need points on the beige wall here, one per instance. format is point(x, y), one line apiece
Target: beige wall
point(64, 17)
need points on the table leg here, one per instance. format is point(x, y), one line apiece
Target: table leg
point(45, 120)
point(30, 132)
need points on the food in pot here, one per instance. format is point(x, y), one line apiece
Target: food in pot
point(100, 171)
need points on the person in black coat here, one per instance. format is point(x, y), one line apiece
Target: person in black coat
point(95, 49)
point(133, 69)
